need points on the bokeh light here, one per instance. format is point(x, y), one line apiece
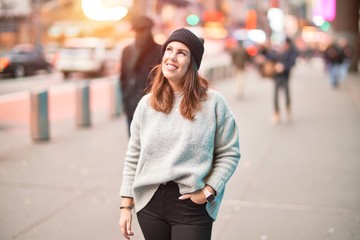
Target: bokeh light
point(95, 10)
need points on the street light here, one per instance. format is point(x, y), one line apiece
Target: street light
point(95, 10)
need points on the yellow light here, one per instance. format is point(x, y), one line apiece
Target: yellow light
point(95, 10)
point(160, 38)
point(215, 30)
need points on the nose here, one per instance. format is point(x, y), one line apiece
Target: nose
point(173, 57)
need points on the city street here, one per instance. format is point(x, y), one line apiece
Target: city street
point(298, 180)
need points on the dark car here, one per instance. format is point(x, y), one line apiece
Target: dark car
point(23, 60)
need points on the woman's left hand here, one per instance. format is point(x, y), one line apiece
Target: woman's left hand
point(197, 197)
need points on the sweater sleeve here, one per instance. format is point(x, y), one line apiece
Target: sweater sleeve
point(226, 148)
point(132, 155)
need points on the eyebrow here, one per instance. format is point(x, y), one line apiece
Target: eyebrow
point(179, 49)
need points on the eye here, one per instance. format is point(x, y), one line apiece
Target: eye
point(168, 49)
point(182, 53)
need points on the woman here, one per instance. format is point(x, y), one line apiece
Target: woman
point(184, 147)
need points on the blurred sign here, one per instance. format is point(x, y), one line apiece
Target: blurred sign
point(274, 4)
point(214, 16)
point(276, 19)
point(251, 17)
point(325, 8)
point(114, 3)
point(95, 10)
point(15, 8)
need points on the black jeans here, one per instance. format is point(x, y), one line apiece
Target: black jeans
point(281, 83)
point(166, 217)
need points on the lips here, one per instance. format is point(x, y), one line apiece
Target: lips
point(171, 66)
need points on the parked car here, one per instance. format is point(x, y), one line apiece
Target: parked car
point(86, 55)
point(23, 60)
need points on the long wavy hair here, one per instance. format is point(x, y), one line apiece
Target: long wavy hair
point(194, 91)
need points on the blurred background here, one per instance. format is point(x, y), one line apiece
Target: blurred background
point(53, 26)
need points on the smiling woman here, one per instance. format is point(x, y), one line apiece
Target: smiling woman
point(95, 10)
point(183, 148)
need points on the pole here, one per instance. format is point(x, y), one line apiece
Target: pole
point(83, 115)
point(39, 116)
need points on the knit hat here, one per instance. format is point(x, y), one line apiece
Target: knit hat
point(185, 36)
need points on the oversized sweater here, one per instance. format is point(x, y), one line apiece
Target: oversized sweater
point(168, 147)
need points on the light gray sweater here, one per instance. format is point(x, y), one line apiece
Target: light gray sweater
point(168, 147)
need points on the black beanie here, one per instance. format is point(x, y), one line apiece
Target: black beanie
point(185, 36)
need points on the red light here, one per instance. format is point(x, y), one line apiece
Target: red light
point(274, 4)
point(4, 62)
point(214, 16)
point(252, 51)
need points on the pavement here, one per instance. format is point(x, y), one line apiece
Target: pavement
point(296, 180)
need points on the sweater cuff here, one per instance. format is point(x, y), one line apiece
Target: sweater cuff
point(216, 183)
point(126, 191)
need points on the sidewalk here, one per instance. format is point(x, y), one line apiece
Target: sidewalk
point(297, 180)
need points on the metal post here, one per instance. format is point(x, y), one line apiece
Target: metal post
point(217, 75)
point(115, 98)
point(39, 116)
point(83, 115)
point(210, 74)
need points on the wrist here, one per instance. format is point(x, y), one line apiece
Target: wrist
point(208, 195)
point(126, 207)
point(127, 202)
point(210, 189)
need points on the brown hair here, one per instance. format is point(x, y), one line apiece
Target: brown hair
point(194, 91)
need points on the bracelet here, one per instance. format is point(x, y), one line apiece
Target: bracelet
point(126, 207)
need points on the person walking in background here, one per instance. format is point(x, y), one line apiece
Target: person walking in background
point(137, 61)
point(333, 61)
point(183, 149)
point(239, 59)
point(284, 62)
point(345, 55)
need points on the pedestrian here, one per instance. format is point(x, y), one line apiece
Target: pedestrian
point(239, 58)
point(345, 55)
point(137, 61)
point(284, 62)
point(333, 60)
point(184, 147)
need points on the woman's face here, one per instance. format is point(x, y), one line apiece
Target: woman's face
point(175, 63)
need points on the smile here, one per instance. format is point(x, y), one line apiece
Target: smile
point(170, 66)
